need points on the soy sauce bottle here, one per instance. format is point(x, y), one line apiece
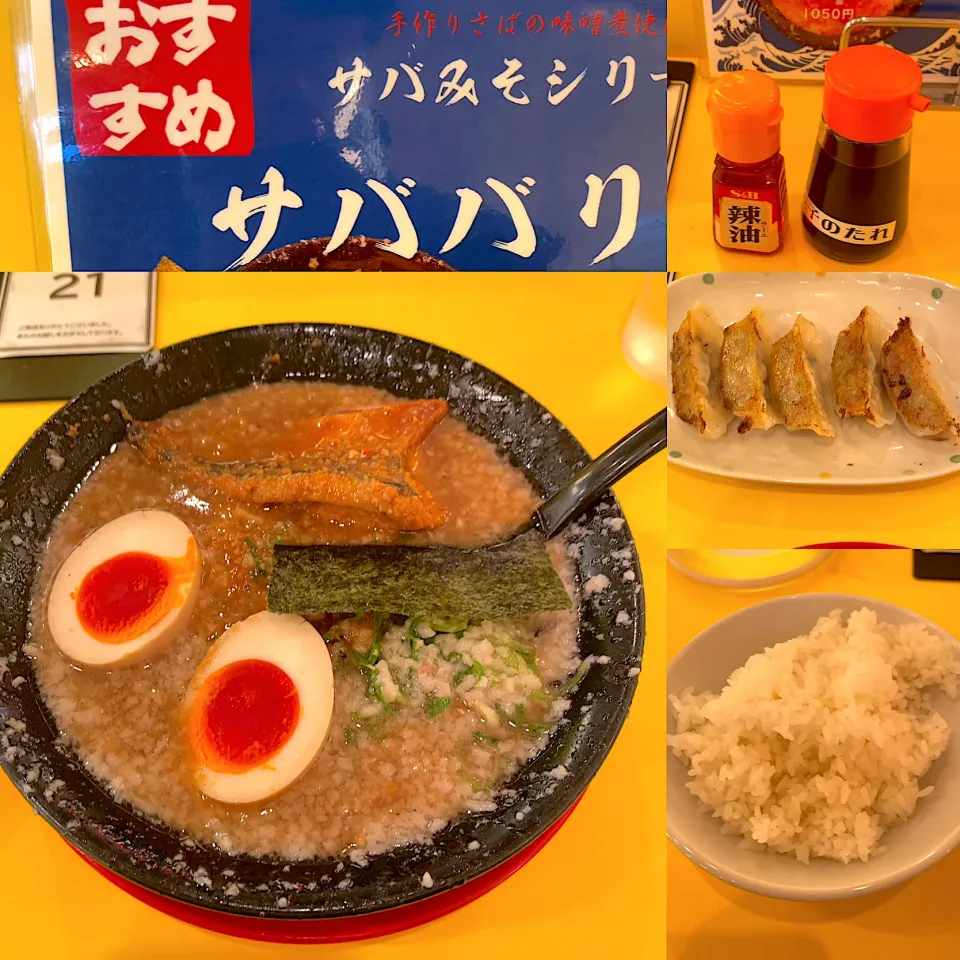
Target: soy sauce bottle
point(855, 207)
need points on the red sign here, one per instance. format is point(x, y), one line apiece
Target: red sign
point(161, 78)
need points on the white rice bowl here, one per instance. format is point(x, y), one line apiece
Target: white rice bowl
point(802, 730)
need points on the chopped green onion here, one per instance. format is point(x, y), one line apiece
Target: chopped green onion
point(541, 697)
point(571, 683)
point(372, 726)
point(483, 738)
point(259, 568)
point(374, 690)
point(479, 786)
point(448, 624)
point(376, 642)
point(530, 659)
point(436, 706)
point(524, 651)
point(519, 719)
point(413, 637)
point(366, 662)
point(475, 670)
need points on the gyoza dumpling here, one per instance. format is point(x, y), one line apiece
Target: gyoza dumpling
point(744, 357)
point(794, 387)
point(694, 360)
point(909, 380)
point(855, 373)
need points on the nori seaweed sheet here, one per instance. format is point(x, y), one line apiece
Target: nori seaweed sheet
point(512, 579)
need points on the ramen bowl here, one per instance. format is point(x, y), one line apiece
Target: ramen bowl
point(46, 767)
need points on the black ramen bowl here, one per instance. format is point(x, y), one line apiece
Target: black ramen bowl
point(356, 254)
point(47, 770)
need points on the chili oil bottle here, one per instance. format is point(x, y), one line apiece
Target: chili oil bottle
point(749, 177)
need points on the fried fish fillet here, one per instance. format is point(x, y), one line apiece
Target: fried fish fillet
point(744, 358)
point(794, 387)
point(399, 428)
point(908, 377)
point(364, 459)
point(694, 362)
point(855, 373)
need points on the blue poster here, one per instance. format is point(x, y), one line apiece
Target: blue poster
point(488, 137)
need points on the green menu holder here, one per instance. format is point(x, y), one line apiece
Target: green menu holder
point(55, 378)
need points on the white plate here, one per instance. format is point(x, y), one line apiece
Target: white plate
point(860, 454)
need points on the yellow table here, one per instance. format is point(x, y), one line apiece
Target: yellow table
point(715, 512)
point(597, 889)
point(16, 237)
point(710, 920)
point(933, 192)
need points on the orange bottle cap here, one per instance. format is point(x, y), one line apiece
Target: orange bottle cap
point(871, 92)
point(745, 112)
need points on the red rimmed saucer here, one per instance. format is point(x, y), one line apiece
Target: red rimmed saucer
point(852, 545)
point(338, 930)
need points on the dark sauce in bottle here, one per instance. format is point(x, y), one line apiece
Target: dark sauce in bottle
point(855, 209)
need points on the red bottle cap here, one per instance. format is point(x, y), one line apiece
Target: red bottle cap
point(871, 92)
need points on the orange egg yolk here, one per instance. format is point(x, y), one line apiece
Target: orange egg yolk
point(243, 715)
point(129, 594)
point(123, 597)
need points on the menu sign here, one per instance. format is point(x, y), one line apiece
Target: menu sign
point(47, 314)
point(213, 133)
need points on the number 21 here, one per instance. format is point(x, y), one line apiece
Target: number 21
point(69, 280)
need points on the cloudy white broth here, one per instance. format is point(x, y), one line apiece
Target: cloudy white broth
point(431, 742)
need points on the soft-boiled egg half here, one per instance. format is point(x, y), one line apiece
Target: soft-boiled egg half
point(258, 708)
point(126, 590)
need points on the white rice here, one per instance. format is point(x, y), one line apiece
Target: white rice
point(817, 745)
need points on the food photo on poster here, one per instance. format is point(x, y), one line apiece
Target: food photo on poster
point(795, 38)
point(356, 137)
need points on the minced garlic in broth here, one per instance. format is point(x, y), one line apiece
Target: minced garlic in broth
point(374, 785)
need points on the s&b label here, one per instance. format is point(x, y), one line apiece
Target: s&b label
point(847, 232)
